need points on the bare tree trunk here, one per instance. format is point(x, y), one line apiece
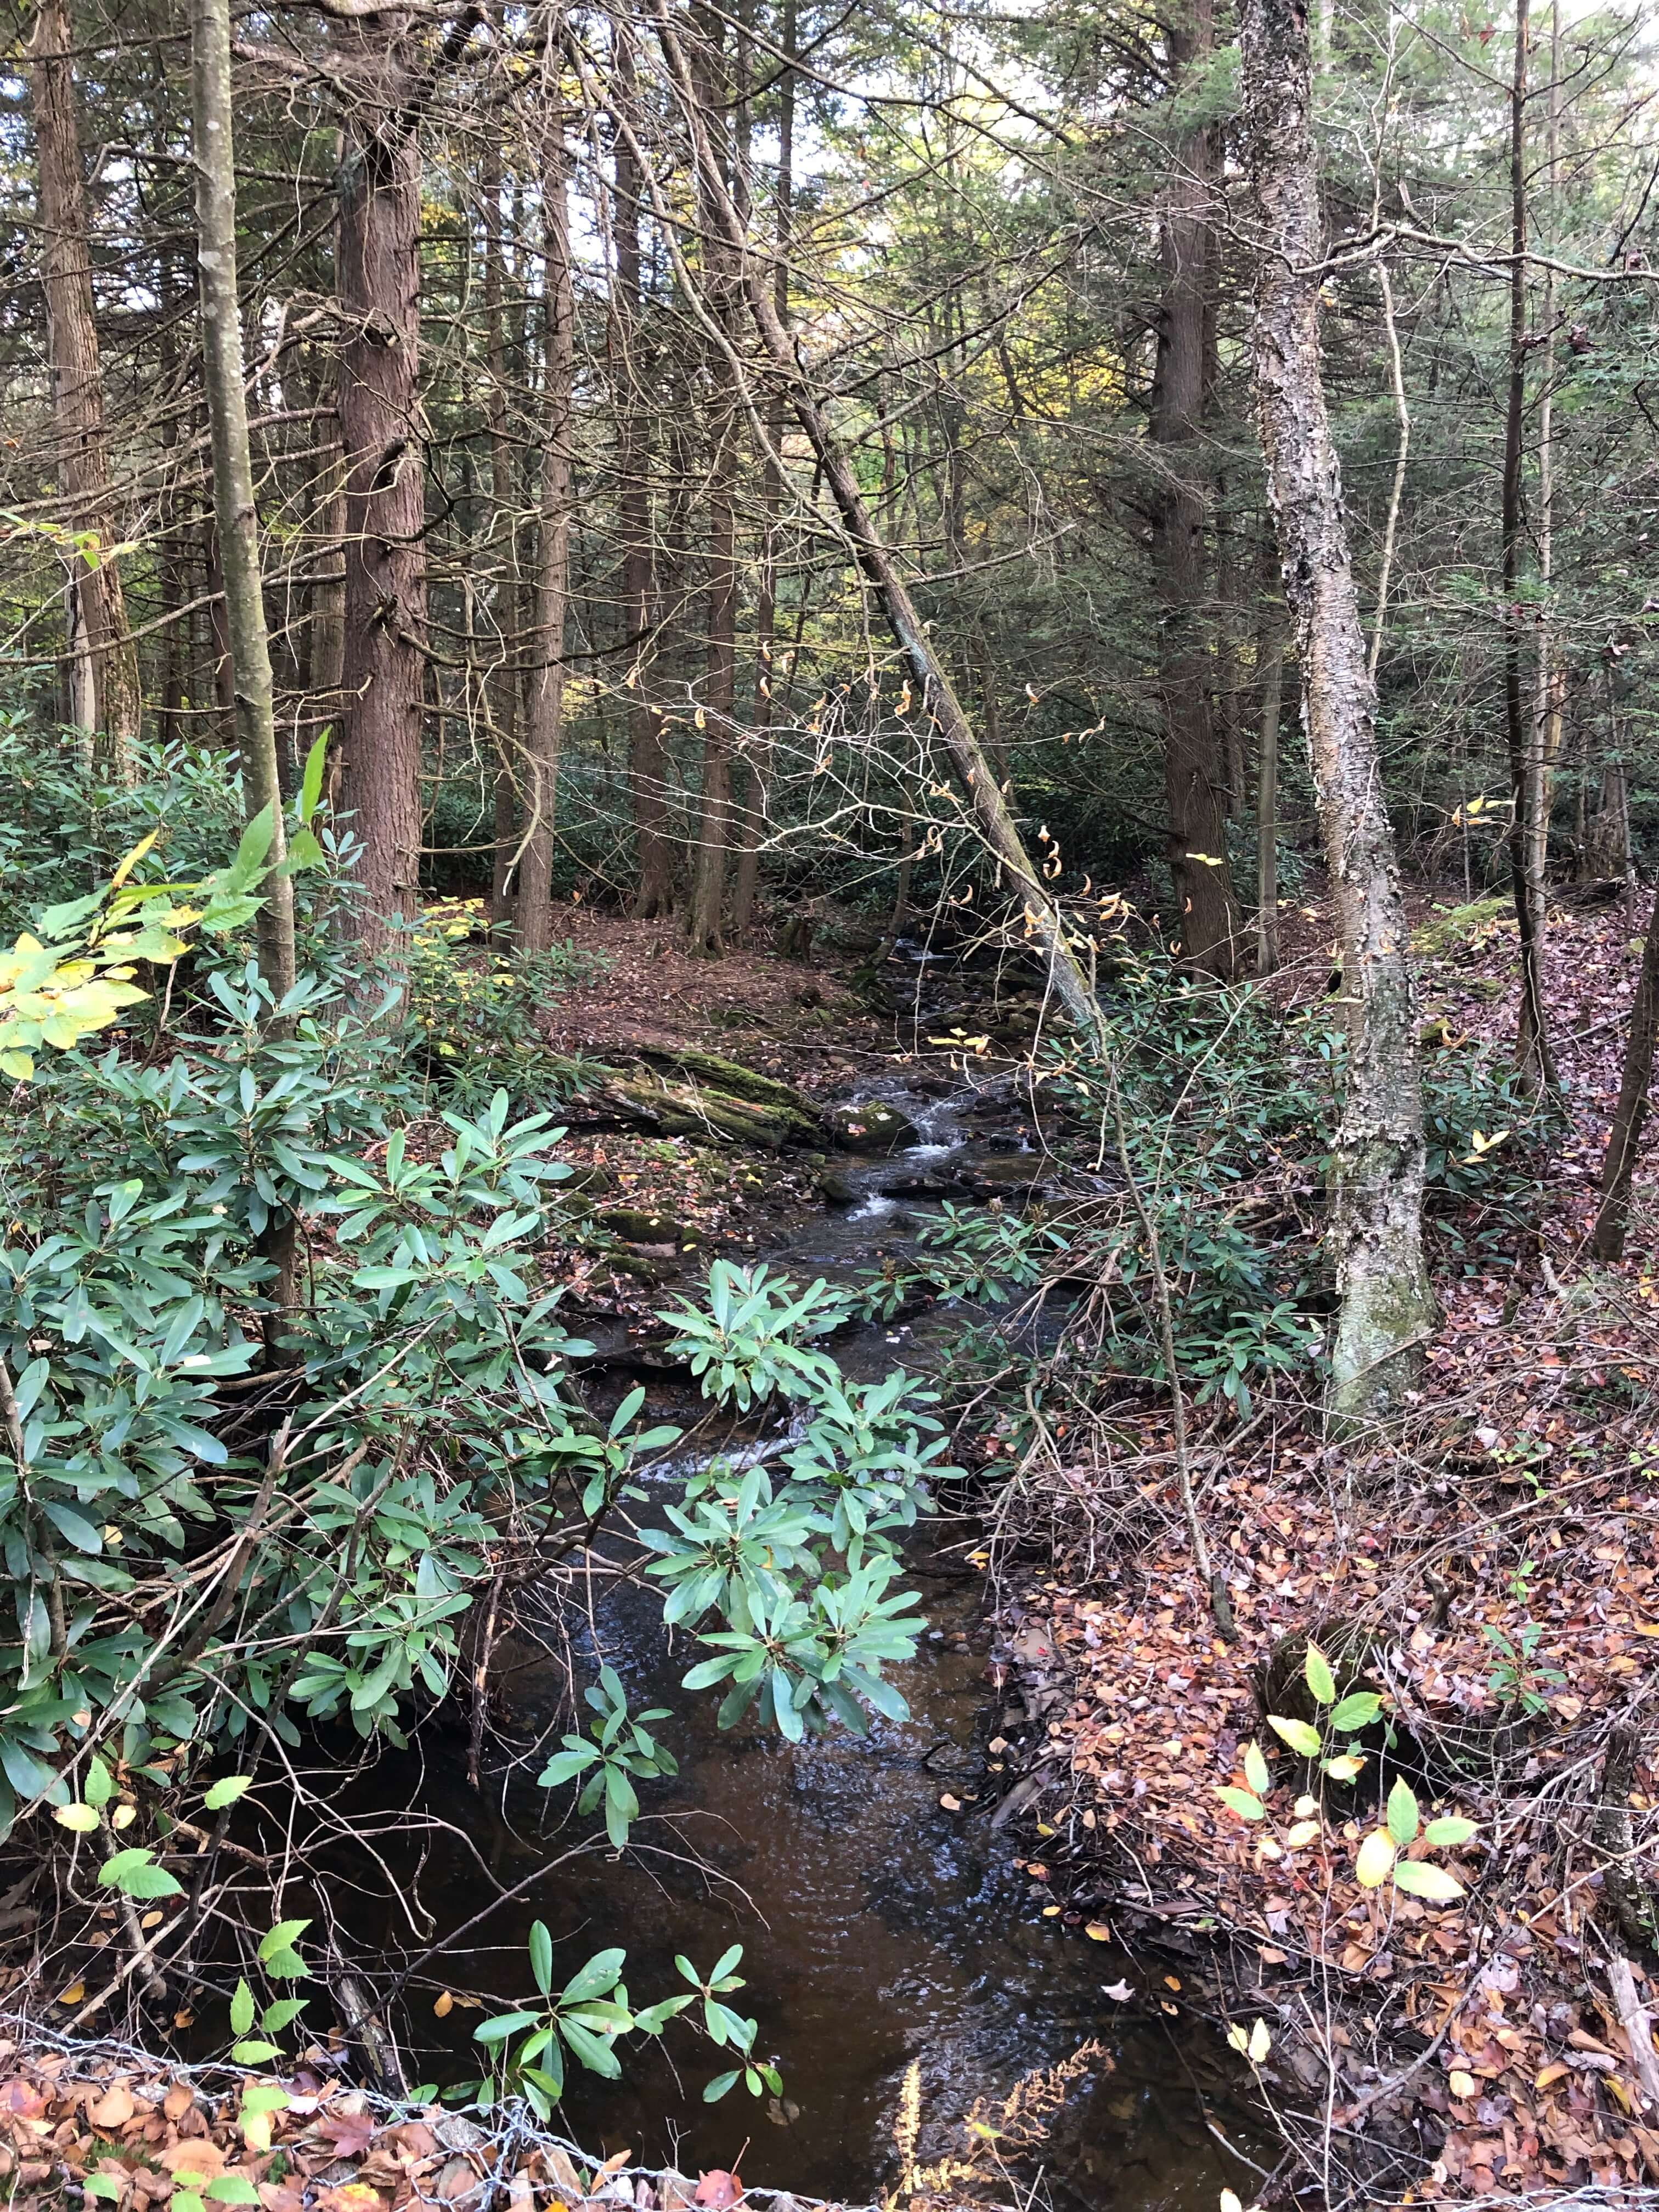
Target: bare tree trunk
point(1271, 658)
point(1619, 1163)
point(1550, 688)
point(1388, 1306)
point(105, 690)
point(378, 282)
point(544, 728)
point(1208, 923)
point(757, 806)
point(500, 688)
point(705, 929)
point(237, 517)
point(990, 813)
point(234, 507)
point(648, 749)
point(1537, 1068)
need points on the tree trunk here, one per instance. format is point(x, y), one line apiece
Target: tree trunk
point(648, 749)
point(545, 725)
point(237, 518)
point(989, 813)
point(1388, 1307)
point(103, 670)
point(380, 434)
point(1619, 1163)
point(705, 929)
point(1207, 922)
point(1271, 653)
point(499, 686)
point(1537, 1068)
point(758, 796)
point(233, 509)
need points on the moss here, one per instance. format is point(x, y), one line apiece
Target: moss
point(1447, 932)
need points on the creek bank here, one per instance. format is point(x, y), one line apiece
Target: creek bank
point(1457, 2048)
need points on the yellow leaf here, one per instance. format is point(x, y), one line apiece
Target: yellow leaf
point(1302, 1833)
point(445, 2005)
point(1098, 1932)
point(132, 860)
point(72, 1994)
point(1376, 1859)
point(1462, 2084)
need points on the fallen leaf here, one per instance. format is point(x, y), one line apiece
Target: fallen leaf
point(1462, 2084)
point(1120, 1992)
point(1098, 1932)
point(114, 2108)
point(950, 1804)
point(718, 2189)
point(445, 2005)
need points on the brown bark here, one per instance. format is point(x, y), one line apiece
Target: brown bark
point(544, 723)
point(105, 689)
point(648, 765)
point(989, 813)
point(501, 689)
point(1536, 1063)
point(1619, 1162)
point(1388, 1307)
point(705, 927)
point(1208, 924)
point(1271, 658)
point(757, 793)
point(378, 282)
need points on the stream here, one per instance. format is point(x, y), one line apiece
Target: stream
point(878, 1926)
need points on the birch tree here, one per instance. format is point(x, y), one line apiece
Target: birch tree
point(1387, 1309)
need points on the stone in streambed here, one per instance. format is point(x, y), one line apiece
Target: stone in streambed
point(635, 1226)
point(874, 1125)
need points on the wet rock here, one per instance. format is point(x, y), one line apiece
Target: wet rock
point(634, 1227)
point(587, 1182)
point(873, 1126)
point(1012, 1174)
point(916, 1186)
point(838, 1190)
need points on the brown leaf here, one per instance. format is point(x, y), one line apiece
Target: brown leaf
point(178, 2100)
point(114, 2108)
point(197, 2154)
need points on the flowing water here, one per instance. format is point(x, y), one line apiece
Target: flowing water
point(879, 1928)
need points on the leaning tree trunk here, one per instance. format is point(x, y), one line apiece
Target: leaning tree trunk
point(989, 811)
point(1619, 1163)
point(378, 282)
point(104, 672)
point(1208, 923)
point(234, 507)
point(1388, 1306)
point(545, 724)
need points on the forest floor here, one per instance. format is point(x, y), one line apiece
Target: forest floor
point(1494, 1568)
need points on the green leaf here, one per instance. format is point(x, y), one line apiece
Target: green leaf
point(1418, 1879)
point(718, 2087)
point(1300, 1737)
point(541, 1957)
point(284, 2013)
point(503, 2024)
point(1401, 1817)
point(134, 1875)
point(254, 2053)
point(1446, 1834)
point(265, 2097)
point(281, 1938)
point(1357, 1710)
point(596, 1979)
point(227, 1790)
point(79, 1819)
point(102, 2185)
point(233, 2189)
point(1255, 1769)
point(99, 1784)
point(310, 784)
point(1242, 1802)
point(1317, 1668)
point(241, 2009)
